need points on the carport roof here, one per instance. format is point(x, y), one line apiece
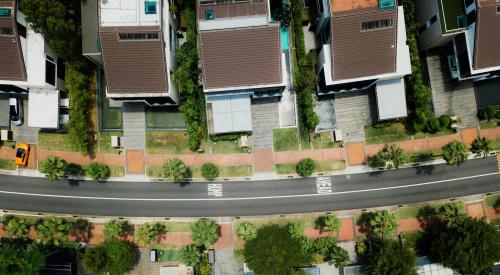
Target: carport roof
point(4, 111)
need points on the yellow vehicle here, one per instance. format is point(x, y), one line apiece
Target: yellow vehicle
point(22, 154)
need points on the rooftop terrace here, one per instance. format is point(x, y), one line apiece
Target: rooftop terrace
point(114, 13)
point(452, 13)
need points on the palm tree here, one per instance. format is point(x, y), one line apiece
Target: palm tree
point(204, 232)
point(455, 152)
point(481, 146)
point(54, 230)
point(449, 213)
point(246, 231)
point(17, 226)
point(384, 223)
point(190, 255)
point(392, 156)
point(54, 167)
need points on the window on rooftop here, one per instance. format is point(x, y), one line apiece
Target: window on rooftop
point(139, 36)
point(6, 31)
point(150, 7)
point(498, 9)
point(4, 12)
point(376, 24)
point(209, 15)
point(50, 70)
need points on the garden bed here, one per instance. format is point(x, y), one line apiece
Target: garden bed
point(324, 140)
point(155, 171)
point(392, 132)
point(7, 164)
point(167, 142)
point(165, 118)
point(490, 201)
point(326, 166)
point(105, 142)
point(485, 124)
point(285, 139)
point(54, 141)
point(413, 211)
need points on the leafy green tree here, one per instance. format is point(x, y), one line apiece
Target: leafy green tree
point(306, 167)
point(54, 231)
point(21, 258)
point(481, 146)
point(119, 257)
point(204, 232)
point(296, 229)
point(450, 214)
point(470, 246)
point(54, 167)
point(16, 226)
point(98, 171)
point(209, 171)
point(386, 256)
point(95, 259)
point(392, 156)
point(273, 251)
point(174, 169)
point(115, 229)
point(338, 256)
point(455, 153)
point(329, 223)
point(246, 231)
point(148, 232)
point(190, 255)
point(324, 244)
point(384, 224)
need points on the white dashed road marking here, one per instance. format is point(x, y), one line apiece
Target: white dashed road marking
point(324, 185)
point(215, 190)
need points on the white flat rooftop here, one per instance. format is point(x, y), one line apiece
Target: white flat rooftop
point(115, 13)
point(231, 113)
point(391, 99)
point(43, 108)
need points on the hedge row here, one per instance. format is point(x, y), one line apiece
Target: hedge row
point(419, 94)
point(186, 78)
point(304, 74)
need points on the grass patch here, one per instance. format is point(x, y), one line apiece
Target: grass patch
point(7, 164)
point(495, 222)
point(426, 155)
point(382, 133)
point(491, 200)
point(168, 246)
point(326, 166)
point(285, 139)
point(8, 143)
point(169, 255)
point(54, 141)
point(413, 211)
point(104, 142)
point(412, 238)
point(177, 226)
point(484, 124)
point(227, 146)
point(495, 144)
point(155, 171)
point(324, 140)
point(308, 221)
point(164, 118)
point(117, 171)
point(111, 117)
point(169, 142)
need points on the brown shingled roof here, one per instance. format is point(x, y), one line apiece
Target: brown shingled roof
point(133, 67)
point(359, 53)
point(11, 56)
point(487, 45)
point(241, 57)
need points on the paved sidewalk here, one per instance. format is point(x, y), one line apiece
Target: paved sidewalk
point(318, 155)
point(356, 153)
point(235, 159)
point(263, 158)
point(76, 157)
point(135, 162)
point(475, 210)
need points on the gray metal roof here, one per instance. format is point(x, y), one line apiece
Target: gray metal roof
point(391, 100)
point(4, 111)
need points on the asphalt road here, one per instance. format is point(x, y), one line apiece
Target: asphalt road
point(220, 199)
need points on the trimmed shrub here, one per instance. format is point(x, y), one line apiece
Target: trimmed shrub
point(209, 171)
point(204, 232)
point(306, 167)
point(54, 168)
point(433, 125)
point(481, 114)
point(455, 152)
point(246, 231)
point(174, 169)
point(98, 171)
point(444, 121)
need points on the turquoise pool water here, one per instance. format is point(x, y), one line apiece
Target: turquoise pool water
point(284, 38)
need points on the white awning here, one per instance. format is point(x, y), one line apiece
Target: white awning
point(391, 99)
point(231, 113)
point(43, 110)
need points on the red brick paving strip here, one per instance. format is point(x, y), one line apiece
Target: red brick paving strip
point(468, 135)
point(492, 214)
point(200, 159)
point(346, 232)
point(356, 153)
point(408, 225)
point(491, 133)
point(226, 236)
point(75, 157)
point(317, 155)
point(32, 159)
point(7, 153)
point(416, 145)
point(177, 238)
point(135, 162)
point(475, 210)
point(263, 158)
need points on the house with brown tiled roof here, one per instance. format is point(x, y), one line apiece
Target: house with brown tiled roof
point(363, 49)
point(29, 70)
point(135, 43)
point(243, 59)
point(468, 33)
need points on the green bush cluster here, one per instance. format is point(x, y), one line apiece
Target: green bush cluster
point(186, 79)
point(98, 171)
point(174, 169)
point(209, 171)
point(306, 167)
point(54, 168)
point(304, 75)
point(226, 137)
point(111, 257)
point(488, 113)
point(419, 94)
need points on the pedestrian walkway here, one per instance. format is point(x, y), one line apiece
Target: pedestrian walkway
point(475, 210)
point(263, 160)
point(353, 112)
point(356, 153)
point(424, 144)
point(468, 135)
point(135, 162)
point(134, 126)
point(320, 155)
point(234, 159)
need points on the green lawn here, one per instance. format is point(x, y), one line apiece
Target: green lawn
point(426, 155)
point(169, 255)
point(54, 141)
point(165, 142)
point(111, 117)
point(164, 118)
point(227, 146)
point(117, 171)
point(154, 171)
point(285, 139)
point(105, 142)
point(177, 226)
point(308, 221)
point(7, 164)
point(391, 132)
point(491, 200)
point(484, 124)
point(495, 144)
point(413, 211)
point(324, 140)
point(327, 166)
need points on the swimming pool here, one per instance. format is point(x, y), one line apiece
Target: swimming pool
point(284, 38)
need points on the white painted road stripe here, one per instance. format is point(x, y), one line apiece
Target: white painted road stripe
point(252, 198)
point(215, 189)
point(324, 185)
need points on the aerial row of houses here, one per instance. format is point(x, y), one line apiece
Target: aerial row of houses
point(245, 54)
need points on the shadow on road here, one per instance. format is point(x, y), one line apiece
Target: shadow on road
point(376, 174)
point(427, 170)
